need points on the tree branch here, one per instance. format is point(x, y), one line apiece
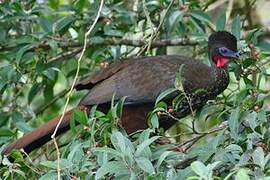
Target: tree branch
point(127, 42)
point(184, 41)
point(183, 147)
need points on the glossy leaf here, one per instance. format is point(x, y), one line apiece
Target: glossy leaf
point(221, 22)
point(236, 27)
point(234, 123)
point(145, 164)
point(63, 23)
point(35, 89)
point(111, 168)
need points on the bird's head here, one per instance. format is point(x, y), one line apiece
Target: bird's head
point(222, 47)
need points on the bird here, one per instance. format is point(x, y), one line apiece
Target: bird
point(141, 80)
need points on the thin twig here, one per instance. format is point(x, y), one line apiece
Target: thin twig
point(185, 163)
point(154, 32)
point(174, 118)
point(183, 147)
point(146, 12)
point(256, 68)
point(31, 162)
point(44, 107)
point(192, 112)
point(72, 87)
point(162, 20)
point(65, 55)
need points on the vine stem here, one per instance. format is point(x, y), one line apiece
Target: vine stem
point(154, 32)
point(72, 87)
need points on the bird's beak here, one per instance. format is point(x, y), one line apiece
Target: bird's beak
point(229, 53)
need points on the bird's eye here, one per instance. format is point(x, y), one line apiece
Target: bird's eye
point(223, 50)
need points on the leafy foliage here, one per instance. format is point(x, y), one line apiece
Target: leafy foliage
point(39, 44)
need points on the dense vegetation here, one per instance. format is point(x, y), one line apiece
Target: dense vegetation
point(40, 44)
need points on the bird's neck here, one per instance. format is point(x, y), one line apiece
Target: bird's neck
point(221, 76)
point(219, 70)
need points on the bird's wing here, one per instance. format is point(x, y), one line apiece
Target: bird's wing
point(140, 81)
point(97, 77)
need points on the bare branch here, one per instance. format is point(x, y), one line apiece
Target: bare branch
point(183, 147)
point(184, 41)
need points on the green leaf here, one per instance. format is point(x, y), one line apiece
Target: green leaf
point(48, 91)
point(63, 23)
point(113, 108)
point(144, 135)
point(80, 116)
point(200, 15)
point(49, 176)
point(236, 27)
point(234, 148)
point(208, 111)
point(22, 51)
point(108, 31)
point(199, 168)
point(3, 35)
point(248, 82)
point(25, 40)
point(164, 94)
point(234, 123)
point(178, 83)
point(119, 106)
point(240, 97)
point(242, 174)
point(113, 167)
point(264, 47)
point(154, 121)
point(198, 25)
point(254, 35)
point(108, 150)
point(262, 116)
point(4, 117)
point(163, 157)
point(76, 153)
point(221, 22)
point(23, 126)
point(64, 164)
point(6, 132)
point(174, 18)
point(18, 171)
point(118, 141)
point(144, 144)
point(73, 126)
point(258, 157)
point(54, 3)
point(35, 89)
point(251, 118)
point(51, 73)
point(145, 164)
point(45, 24)
point(212, 166)
point(17, 154)
point(80, 4)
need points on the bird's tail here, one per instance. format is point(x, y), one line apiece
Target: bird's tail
point(42, 135)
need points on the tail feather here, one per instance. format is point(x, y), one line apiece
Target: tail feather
point(42, 134)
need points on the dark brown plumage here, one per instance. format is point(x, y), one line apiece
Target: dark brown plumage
point(141, 80)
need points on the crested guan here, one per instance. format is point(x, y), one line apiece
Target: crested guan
point(141, 80)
